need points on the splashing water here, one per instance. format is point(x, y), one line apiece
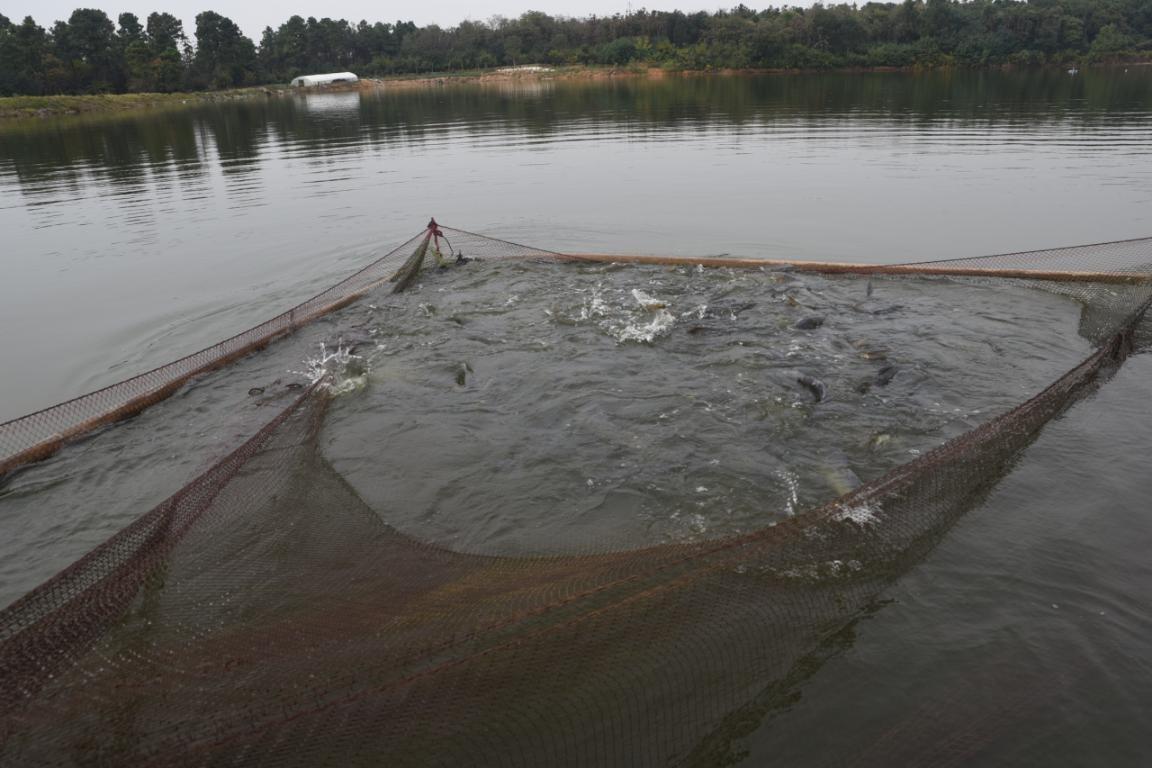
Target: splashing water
point(643, 319)
point(595, 305)
point(645, 333)
point(345, 370)
point(792, 484)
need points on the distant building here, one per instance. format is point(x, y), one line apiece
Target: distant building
point(334, 77)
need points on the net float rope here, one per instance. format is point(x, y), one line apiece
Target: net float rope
point(39, 435)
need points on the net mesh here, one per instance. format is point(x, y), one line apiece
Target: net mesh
point(265, 615)
point(38, 435)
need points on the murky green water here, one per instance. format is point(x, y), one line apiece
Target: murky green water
point(128, 242)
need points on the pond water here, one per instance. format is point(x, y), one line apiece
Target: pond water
point(194, 223)
point(537, 408)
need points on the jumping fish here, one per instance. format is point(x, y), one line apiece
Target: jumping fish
point(868, 352)
point(841, 479)
point(727, 310)
point(809, 323)
point(818, 388)
point(352, 340)
point(649, 303)
point(882, 379)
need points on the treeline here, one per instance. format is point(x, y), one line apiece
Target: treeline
point(89, 53)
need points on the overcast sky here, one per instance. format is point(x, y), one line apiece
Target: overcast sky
point(254, 15)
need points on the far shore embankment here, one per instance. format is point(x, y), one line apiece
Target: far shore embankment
point(15, 109)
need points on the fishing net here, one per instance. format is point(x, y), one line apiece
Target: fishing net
point(266, 615)
point(40, 434)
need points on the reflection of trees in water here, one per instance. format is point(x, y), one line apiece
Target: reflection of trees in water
point(173, 150)
point(178, 144)
point(237, 135)
point(685, 99)
point(115, 152)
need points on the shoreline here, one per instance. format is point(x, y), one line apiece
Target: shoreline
point(30, 108)
point(18, 109)
point(541, 73)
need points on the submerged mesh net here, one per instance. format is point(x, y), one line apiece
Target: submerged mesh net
point(264, 615)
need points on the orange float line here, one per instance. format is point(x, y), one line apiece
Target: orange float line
point(850, 268)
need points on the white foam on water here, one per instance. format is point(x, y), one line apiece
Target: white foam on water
point(698, 313)
point(594, 306)
point(645, 333)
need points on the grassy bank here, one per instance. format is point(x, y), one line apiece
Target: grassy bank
point(531, 73)
point(648, 71)
point(30, 107)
